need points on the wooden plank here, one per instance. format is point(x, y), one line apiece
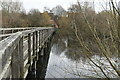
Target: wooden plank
point(34, 53)
point(0, 63)
point(21, 58)
point(15, 64)
point(26, 70)
point(14, 44)
point(27, 29)
point(36, 33)
point(10, 41)
point(36, 29)
point(26, 61)
point(33, 43)
point(29, 50)
point(7, 47)
point(42, 36)
point(6, 70)
point(5, 35)
point(39, 38)
point(16, 28)
point(0, 34)
point(25, 45)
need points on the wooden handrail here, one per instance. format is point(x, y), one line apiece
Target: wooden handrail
point(4, 34)
point(6, 49)
point(26, 28)
point(13, 51)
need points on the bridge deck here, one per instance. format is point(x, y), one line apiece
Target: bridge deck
point(19, 49)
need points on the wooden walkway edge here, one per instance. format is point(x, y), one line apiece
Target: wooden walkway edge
point(19, 50)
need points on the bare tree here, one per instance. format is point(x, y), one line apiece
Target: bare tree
point(10, 11)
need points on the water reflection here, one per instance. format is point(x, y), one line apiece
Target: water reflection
point(68, 61)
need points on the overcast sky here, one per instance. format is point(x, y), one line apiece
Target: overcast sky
point(40, 4)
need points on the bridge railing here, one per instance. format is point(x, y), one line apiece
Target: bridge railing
point(18, 51)
point(5, 32)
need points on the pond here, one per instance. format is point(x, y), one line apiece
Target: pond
point(64, 64)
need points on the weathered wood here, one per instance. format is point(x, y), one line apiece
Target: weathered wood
point(36, 45)
point(22, 47)
point(25, 45)
point(0, 63)
point(29, 50)
point(34, 53)
point(6, 72)
point(15, 64)
point(44, 51)
point(39, 39)
point(6, 35)
point(4, 29)
point(6, 49)
point(21, 61)
point(42, 36)
point(8, 46)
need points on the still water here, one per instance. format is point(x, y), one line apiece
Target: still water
point(63, 65)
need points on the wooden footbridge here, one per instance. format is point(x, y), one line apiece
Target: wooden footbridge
point(20, 51)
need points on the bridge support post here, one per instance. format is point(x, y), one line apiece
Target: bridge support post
point(39, 39)
point(33, 75)
point(29, 51)
point(21, 56)
point(44, 51)
point(17, 62)
point(43, 60)
point(36, 33)
point(21, 61)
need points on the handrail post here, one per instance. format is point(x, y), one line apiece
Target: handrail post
point(43, 36)
point(34, 62)
point(21, 58)
point(39, 39)
point(15, 63)
point(36, 45)
point(29, 51)
point(33, 43)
